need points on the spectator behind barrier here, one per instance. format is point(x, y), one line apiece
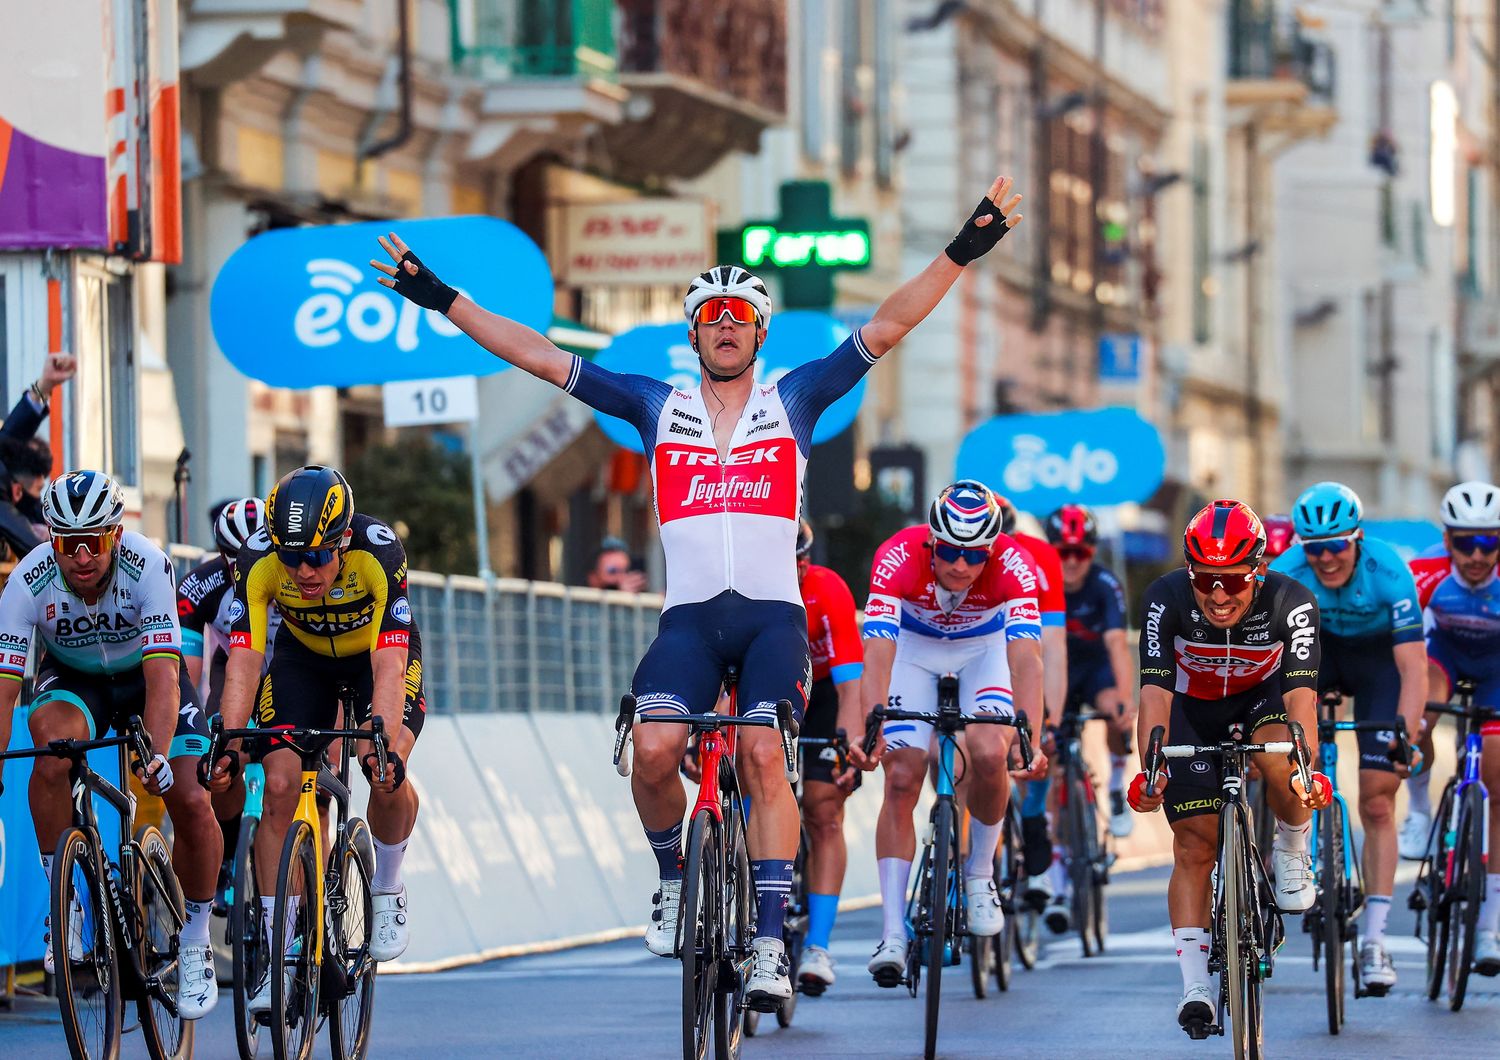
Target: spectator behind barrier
point(613, 568)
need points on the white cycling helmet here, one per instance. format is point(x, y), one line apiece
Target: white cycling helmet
point(966, 514)
point(1472, 506)
point(237, 523)
point(82, 500)
point(728, 281)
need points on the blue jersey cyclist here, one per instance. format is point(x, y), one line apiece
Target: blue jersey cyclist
point(1460, 596)
point(1372, 650)
point(1100, 669)
point(727, 459)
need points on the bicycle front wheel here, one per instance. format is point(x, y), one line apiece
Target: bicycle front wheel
point(738, 931)
point(1466, 895)
point(351, 985)
point(159, 896)
point(1083, 822)
point(944, 846)
point(247, 939)
point(88, 982)
point(1008, 873)
point(295, 960)
point(1240, 958)
point(1331, 909)
point(1439, 920)
point(699, 930)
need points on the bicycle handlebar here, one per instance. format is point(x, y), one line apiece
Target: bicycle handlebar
point(312, 742)
point(944, 718)
point(785, 723)
point(1473, 710)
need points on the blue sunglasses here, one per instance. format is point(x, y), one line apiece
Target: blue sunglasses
point(1469, 544)
point(952, 553)
point(313, 557)
point(1337, 546)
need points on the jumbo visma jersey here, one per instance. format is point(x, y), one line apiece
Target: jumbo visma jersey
point(134, 619)
point(366, 608)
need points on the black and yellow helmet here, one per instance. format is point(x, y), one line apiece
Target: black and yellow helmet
point(310, 508)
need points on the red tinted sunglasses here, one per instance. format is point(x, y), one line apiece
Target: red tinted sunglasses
point(1078, 552)
point(713, 310)
point(1206, 581)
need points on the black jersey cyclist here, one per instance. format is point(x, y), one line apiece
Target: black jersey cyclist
point(1224, 642)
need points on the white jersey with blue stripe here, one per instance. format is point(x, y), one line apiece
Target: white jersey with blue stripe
point(727, 523)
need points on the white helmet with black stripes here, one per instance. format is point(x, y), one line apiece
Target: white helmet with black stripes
point(82, 500)
point(1472, 506)
point(728, 281)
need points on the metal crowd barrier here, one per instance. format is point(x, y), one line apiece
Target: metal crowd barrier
point(516, 645)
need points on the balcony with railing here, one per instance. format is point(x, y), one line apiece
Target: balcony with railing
point(1274, 59)
point(706, 77)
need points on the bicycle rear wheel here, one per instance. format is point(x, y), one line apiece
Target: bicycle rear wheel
point(1331, 909)
point(1008, 874)
point(159, 902)
point(1466, 895)
point(944, 846)
point(1240, 959)
point(698, 926)
point(352, 1005)
point(294, 959)
point(247, 939)
point(83, 949)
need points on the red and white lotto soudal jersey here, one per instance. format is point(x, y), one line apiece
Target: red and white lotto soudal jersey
point(905, 598)
point(730, 522)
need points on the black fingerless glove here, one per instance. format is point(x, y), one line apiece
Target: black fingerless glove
point(425, 289)
point(393, 766)
point(973, 241)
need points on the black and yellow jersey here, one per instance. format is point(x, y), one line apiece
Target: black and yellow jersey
point(366, 607)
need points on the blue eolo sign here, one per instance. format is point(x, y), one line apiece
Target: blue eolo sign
point(661, 351)
point(300, 307)
point(1109, 456)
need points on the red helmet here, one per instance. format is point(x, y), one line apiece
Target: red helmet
point(1279, 533)
point(1224, 534)
point(1074, 525)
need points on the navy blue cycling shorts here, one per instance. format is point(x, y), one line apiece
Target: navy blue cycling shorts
point(684, 668)
point(1087, 680)
point(1364, 668)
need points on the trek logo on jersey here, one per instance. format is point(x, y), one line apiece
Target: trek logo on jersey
point(1300, 622)
point(755, 479)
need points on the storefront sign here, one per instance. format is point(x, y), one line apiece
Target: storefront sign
point(639, 242)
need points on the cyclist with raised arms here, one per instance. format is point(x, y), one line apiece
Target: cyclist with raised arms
point(727, 461)
point(955, 596)
point(1371, 641)
point(338, 578)
point(1099, 665)
point(1460, 597)
point(1223, 642)
point(99, 600)
point(837, 663)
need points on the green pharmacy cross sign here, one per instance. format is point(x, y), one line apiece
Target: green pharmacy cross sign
point(806, 245)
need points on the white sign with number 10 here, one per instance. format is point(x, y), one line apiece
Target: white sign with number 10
point(415, 402)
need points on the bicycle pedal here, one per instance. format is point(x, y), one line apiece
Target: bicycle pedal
point(889, 978)
point(812, 987)
point(764, 1003)
point(1372, 990)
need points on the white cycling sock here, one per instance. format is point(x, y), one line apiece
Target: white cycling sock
point(1058, 870)
point(268, 907)
point(1192, 954)
point(894, 873)
point(1116, 773)
point(1377, 909)
point(47, 866)
point(388, 866)
point(983, 839)
point(1292, 836)
point(268, 917)
point(195, 929)
point(1418, 794)
point(1489, 910)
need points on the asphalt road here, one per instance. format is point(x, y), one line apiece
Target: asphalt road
point(616, 1000)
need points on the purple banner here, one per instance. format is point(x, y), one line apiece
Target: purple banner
point(49, 197)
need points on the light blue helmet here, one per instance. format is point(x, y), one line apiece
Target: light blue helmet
point(1328, 509)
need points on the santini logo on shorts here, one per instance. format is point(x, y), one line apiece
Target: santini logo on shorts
point(755, 479)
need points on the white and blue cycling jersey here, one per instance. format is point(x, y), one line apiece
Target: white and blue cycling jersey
point(1379, 599)
point(727, 524)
